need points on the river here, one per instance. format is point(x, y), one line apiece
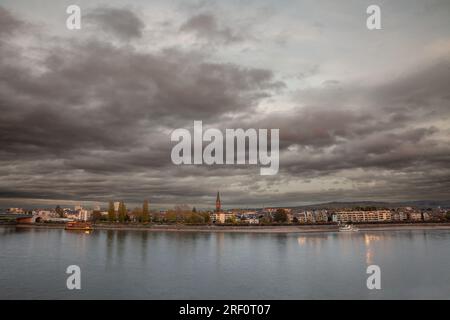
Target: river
point(200, 265)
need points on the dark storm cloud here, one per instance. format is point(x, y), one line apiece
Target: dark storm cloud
point(426, 90)
point(8, 22)
point(90, 120)
point(205, 26)
point(121, 22)
point(391, 126)
point(99, 96)
point(89, 109)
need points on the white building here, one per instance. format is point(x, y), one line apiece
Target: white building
point(362, 216)
point(415, 216)
point(399, 216)
point(84, 215)
point(253, 221)
point(221, 217)
point(16, 210)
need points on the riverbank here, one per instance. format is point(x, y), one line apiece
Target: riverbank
point(250, 229)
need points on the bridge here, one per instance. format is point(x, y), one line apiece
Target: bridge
point(21, 218)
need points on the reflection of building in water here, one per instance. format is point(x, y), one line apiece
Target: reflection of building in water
point(316, 240)
point(371, 238)
point(301, 241)
point(368, 239)
point(220, 237)
point(369, 256)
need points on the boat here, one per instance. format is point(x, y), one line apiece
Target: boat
point(79, 225)
point(348, 228)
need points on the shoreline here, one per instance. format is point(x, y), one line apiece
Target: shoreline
point(249, 229)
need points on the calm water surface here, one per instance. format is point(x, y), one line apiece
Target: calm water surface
point(165, 265)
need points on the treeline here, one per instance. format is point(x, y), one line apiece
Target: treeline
point(179, 214)
point(182, 214)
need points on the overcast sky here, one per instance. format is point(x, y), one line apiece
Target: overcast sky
point(86, 115)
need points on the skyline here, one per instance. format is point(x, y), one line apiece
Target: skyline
point(442, 204)
point(87, 114)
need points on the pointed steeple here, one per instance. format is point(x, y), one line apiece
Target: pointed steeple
point(218, 204)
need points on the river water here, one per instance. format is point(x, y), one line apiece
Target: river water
point(185, 265)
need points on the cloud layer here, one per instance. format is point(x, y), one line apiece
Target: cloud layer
point(87, 117)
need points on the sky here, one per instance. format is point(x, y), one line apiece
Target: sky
point(86, 115)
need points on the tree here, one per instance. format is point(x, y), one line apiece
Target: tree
point(265, 219)
point(447, 215)
point(59, 211)
point(145, 213)
point(137, 214)
point(111, 212)
point(230, 220)
point(96, 215)
point(122, 212)
point(170, 216)
point(280, 216)
point(206, 217)
point(194, 210)
point(155, 217)
point(194, 218)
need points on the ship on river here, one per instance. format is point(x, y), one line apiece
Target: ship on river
point(79, 226)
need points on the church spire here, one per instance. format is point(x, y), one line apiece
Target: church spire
point(218, 204)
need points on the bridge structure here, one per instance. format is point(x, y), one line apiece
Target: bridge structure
point(19, 218)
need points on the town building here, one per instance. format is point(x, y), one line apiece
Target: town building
point(399, 216)
point(362, 216)
point(415, 216)
point(16, 210)
point(84, 215)
point(219, 216)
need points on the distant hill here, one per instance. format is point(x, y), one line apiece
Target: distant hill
point(379, 204)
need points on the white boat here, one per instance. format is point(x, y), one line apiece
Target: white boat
point(348, 228)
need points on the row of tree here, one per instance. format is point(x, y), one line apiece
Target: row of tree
point(182, 214)
point(179, 214)
point(122, 213)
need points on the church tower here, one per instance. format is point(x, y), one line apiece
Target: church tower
point(218, 204)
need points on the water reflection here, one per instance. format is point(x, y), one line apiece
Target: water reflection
point(177, 265)
point(110, 242)
point(369, 240)
point(312, 239)
point(144, 241)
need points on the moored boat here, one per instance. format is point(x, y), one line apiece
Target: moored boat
point(348, 228)
point(78, 225)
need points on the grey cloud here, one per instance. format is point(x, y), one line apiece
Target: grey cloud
point(90, 120)
point(113, 101)
point(100, 115)
point(205, 26)
point(425, 90)
point(391, 126)
point(8, 22)
point(121, 22)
